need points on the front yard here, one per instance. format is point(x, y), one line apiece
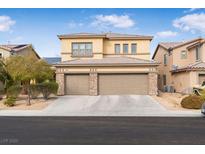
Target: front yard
point(21, 103)
point(171, 101)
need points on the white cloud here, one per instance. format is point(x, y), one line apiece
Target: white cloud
point(117, 21)
point(192, 10)
point(73, 24)
point(191, 22)
point(5, 23)
point(165, 34)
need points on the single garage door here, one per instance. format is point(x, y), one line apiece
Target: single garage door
point(119, 84)
point(201, 78)
point(77, 84)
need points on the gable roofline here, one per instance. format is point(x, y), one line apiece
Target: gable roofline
point(175, 46)
point(104, 35)
point(5, 48)
point(18, 48)
point(195, 44)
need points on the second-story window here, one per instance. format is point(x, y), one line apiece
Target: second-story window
point(125, 48)
point(133, 48)
point(183, 54)
point(117, 48)
point(198, 53)
point(82, 49)
point(165, 59)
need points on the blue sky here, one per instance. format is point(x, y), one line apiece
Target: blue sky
point(41, 26)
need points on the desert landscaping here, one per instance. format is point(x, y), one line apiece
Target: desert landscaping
point(171, 101)
point(21, 103)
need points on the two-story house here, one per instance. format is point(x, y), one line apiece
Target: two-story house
point(106, 64)
point(182, 64)
point(17, 49)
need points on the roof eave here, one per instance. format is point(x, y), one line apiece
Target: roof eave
point(155, 52)
point(131, 38)
point(187, 69)
point(109, 64)
point(80, 36)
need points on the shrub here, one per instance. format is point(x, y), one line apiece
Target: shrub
point(10, 101)
point(203, 96)
point(35, 91)
point(47, 88)
point(203, 84)
point(13, 91)
point(192, 102)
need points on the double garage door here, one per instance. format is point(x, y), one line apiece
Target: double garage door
point(108, 84)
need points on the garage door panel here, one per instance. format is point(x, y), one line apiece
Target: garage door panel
point(77, 84)
point(119, 84)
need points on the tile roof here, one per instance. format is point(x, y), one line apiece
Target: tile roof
point(118, 35)
point(104, 35)
point(168, 45)
point(15, 47)
point(52, 60)
point(108, 61)
point(173, 45)
point(195, 66)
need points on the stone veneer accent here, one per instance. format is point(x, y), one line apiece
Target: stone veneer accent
point(60, 79)
point(152, 79)
point(93, 82)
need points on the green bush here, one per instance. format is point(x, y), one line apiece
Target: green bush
point(14, 91)
point(192, 102)
point(10, 101)
point(47, 88)
point(35, 91)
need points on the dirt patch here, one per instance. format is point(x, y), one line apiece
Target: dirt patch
point(171, 101)
point(21, 103)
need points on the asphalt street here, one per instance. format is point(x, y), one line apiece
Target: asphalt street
point(102, 130)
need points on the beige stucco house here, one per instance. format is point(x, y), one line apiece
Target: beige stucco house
point(182, 64)
point(17, 49)
point(106, 64)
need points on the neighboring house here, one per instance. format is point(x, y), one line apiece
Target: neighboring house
point(182, 64)
point(17, 49)
point(106, 64)
point(20, 49)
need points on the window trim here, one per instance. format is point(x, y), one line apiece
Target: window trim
point(197, 53)
point(165, 59)
point(117, 44)
point(126, 44)
point(183, 55)
point(79, 50)
point(135, 48)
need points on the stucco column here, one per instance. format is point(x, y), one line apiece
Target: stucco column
point(152, 77)
point(60, 79)
point(93, 83)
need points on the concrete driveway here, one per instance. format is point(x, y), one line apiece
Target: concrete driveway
point(112, 105)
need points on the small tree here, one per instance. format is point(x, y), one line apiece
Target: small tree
point(27, 70)
point(47, 88)
point(5, 77)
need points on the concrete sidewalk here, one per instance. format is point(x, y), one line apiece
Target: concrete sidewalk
point(115, 105)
